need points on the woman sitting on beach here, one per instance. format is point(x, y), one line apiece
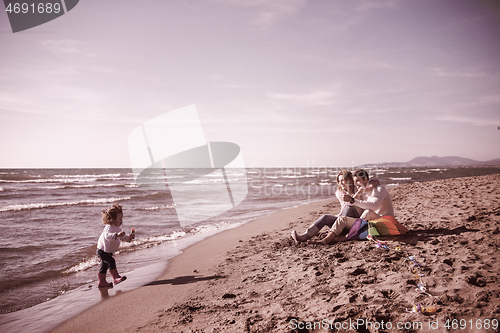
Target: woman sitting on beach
point(345, 185)
point(348, 213)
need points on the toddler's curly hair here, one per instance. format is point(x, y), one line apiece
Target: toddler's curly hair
point(110, 214)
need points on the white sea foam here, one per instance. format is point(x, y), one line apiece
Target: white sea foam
point(58, 187)
point(401, 178)
point(318, 172)
point(109, 175)
point(378, 171)
point(58, 204)
point(158, 207)
point(82, 266)
point(195, 182)
point(92, 185)
point(50, 180)
point(299, 176)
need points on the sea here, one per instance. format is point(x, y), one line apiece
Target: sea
point(51, 219)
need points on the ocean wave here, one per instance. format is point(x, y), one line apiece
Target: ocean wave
point(161, 177)
point(234, 174)
point(93, 185)
point(58, 204)
point(400, 178)
point(195, 182)
point(49, 180)
point(19, 249)
point(158, 207)
point(318, 172)
point(61, 187)
point(298, 176)
point(154, 195)
point(10, 283)
point(109, 175)
point(428, 170)
point(55, 187)
point(83, 266)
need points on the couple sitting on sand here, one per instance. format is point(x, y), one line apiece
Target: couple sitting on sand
point(369, 202)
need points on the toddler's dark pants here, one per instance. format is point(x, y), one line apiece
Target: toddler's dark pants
point(107, 261)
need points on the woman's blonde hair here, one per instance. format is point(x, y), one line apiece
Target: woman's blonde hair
point(110, 214)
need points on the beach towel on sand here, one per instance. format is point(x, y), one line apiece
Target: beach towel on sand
point(384, 226)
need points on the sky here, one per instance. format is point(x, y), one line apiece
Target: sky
point(292, 82)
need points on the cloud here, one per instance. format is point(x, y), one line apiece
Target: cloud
point(17, 103)
point(62, 47)
point(270, 11)
point(478, 110)
point(466, 73)
point(354, 62)
point(66, 47)
point(477, 121)
point(319, 97)
point(375, 4)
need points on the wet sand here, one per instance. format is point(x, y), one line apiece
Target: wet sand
point(255, 279)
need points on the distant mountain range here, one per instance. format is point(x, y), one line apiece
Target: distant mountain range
point(424, 161)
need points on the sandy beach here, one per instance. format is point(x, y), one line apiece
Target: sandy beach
point(254, 278)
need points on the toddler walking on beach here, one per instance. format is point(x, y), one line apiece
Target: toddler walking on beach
point(109, 242)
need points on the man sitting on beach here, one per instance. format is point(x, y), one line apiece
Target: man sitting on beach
point(375, 200)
